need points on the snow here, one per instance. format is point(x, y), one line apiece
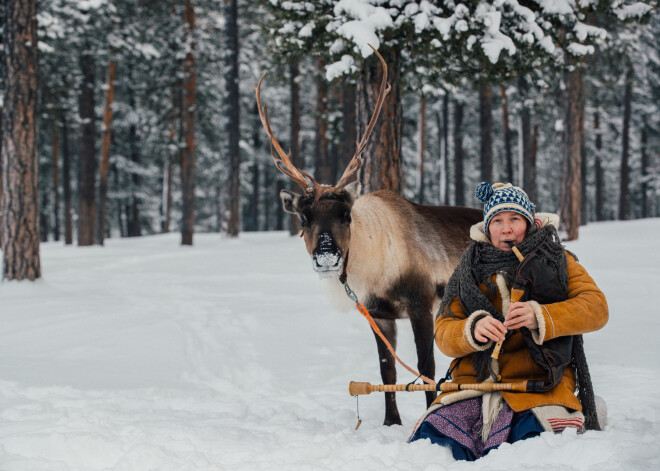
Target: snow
point(86, 5)
point(148, 51)
point(494, 41)
point(577, 49)
point(584, 31)
point(147, 355)
point(344, 66)
point(360, 23)
point(366, 21)
point(556, 7)
point(636, 10)
point(307, 30)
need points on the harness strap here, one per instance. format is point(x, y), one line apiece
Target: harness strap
point(363, 310)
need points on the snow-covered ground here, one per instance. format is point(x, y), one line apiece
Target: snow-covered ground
point(144, 355)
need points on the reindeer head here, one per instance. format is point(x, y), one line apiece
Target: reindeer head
point(324, 210)
point(326, 223)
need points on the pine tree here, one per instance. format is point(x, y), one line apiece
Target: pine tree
point(233, 123)
point(188, 152)
point(20, 199)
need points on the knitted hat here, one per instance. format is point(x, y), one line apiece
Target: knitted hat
point(503, 197)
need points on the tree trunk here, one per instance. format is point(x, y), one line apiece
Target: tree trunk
point(508, 155)
point(66, 183)
point(598, 169)
point(645, 169)
point(349, 126)
point(166, 202)
point(279, 225)
point(532, 159)
point(422, 149)
point(2, 61)
point(268, 199)
point(56, 183)
point(570, 196)
point(252, 223)
point(133, 209)
point(233, 197)
point(187, 158)
point(120, 204)
point(20, 197)
point(584, 215)
point(296, 158)
point(445, 148)
point(87, 152)
point(442, 173)
point(527, 164)
point(486, 129)
point(459, 188)
point(43, 218)
point(535, 144)
point(381, 167)
point(334, 133)
point(105, 149)
point(624, 194)
point(322, 164)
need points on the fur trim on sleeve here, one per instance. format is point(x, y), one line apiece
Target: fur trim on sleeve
point(539, 334)
point(468, 329)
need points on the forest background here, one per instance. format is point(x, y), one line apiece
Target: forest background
point(145, 119)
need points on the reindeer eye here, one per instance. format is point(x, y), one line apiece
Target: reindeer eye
point(303, 221)
point(346, 218)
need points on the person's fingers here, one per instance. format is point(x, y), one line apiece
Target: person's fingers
point(497, 325)
point(489, 328)
point(516, 325)
point(481, 338)
point(519, 315)
point(496, 331)
point(526, 320)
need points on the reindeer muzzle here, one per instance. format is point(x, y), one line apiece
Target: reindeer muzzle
point(327, 257)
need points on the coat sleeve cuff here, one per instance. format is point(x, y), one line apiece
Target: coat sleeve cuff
point(468, 331)
point(544, 320)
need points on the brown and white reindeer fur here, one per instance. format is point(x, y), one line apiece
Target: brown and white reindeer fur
point(398, 255)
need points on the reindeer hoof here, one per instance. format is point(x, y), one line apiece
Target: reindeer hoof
point(392, 421)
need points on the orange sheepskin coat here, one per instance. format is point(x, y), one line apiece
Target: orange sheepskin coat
point(584, 311)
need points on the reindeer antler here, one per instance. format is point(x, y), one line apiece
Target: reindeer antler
point(356, 162)
point(306, 181)
point(283, 163)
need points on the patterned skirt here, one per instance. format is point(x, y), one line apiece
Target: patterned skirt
point(459, 426)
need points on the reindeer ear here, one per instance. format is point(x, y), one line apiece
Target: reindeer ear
point(290, 201)
point(354, 189)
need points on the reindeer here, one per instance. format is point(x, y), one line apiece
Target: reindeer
point(401, 253)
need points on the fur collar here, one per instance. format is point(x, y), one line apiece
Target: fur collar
point(477, 231)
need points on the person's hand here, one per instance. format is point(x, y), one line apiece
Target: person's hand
point(520, 314)
point(489, 328)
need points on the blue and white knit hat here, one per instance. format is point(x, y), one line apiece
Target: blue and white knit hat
point(503, 197)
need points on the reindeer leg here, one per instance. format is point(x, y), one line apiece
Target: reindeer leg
point(417, 293)
point(388, 368)
point(421, 320)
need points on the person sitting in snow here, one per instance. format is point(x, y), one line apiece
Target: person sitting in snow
point(540, 333)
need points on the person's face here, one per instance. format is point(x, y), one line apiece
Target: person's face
point(507, 226)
